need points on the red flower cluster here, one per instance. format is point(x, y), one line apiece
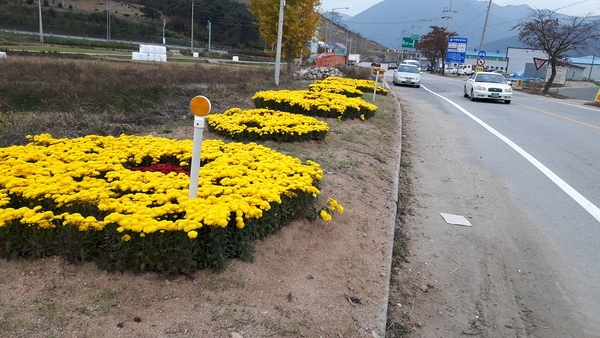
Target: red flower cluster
point(164, 168)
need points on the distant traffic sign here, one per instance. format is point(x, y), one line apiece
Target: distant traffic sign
point(410, 42)
point(481, 54)
point(457, 48)
point(480, 62)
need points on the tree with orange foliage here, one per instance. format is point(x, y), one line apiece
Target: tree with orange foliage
point(300, 23)
point(434, 45)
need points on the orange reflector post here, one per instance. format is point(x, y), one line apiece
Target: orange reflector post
point(200, 106)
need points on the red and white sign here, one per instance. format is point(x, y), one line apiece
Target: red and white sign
point(480, 62)
point(538, 63)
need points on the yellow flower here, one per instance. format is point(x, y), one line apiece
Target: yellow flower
point(325, 216)
point(192, 234)
point(92, 173)
point(126, 238)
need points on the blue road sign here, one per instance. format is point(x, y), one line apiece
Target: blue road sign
point(481, 54)
point(456, 51)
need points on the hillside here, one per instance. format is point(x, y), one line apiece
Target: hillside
point(136, 22)
point(142, 20)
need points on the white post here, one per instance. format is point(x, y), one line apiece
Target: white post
point(164, 23)
point(376, 79)
point(200, 106)
point(196, 156)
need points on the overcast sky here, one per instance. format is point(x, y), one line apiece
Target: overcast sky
point(570, 7)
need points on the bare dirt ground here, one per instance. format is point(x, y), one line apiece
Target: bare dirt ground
point(498, 278)
point(312, 279)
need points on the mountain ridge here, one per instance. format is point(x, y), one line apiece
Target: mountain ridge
point(386, 22)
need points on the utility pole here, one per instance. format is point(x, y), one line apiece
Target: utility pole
point(279, 38)
point(448, 16)
point(192, 36)
point(592, 67)
point(41, 30)
point(331, 16)
point(107, 21)
point(209, 28)
point(487, 15)
point(425, 20)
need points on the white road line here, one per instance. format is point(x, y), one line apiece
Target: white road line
point(574, 194)
point(574, 105)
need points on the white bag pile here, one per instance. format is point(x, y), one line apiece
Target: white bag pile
point(150, 53)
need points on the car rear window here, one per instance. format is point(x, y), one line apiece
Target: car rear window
point(414, 63)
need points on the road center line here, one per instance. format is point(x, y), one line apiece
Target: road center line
point(564, 186)
point(559, 116)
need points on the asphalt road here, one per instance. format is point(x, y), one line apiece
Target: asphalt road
point(546, 153)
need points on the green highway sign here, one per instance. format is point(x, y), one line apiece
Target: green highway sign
point(410, 42)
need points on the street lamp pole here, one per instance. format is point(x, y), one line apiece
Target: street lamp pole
point(331, 22)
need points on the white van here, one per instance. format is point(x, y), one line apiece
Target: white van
point(413, 62)
point(465, 70)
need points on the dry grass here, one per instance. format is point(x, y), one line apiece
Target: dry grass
point(72, 97)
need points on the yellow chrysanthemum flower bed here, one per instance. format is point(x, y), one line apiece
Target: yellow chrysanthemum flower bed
point(79, 198)
point(336, 88)
point(266, 124)
point(346, 86)
point(315, 103)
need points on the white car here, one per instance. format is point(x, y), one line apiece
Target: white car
point(413, 62)
point(450, 70)
point(489, 86)
point(408, 75)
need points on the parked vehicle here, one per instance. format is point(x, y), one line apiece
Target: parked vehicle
point(450, 70)
point(392, 66)
point(407, 74)
point(465, 70)
point(353, 59)
point(487, 85)
point(413, 62)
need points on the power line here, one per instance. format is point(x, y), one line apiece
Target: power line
point(571, 5)
point(448, 16)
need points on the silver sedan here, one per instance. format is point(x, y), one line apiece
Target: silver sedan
point(407, 75)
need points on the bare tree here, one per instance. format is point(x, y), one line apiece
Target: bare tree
point(434, 44)
point(544, 30)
